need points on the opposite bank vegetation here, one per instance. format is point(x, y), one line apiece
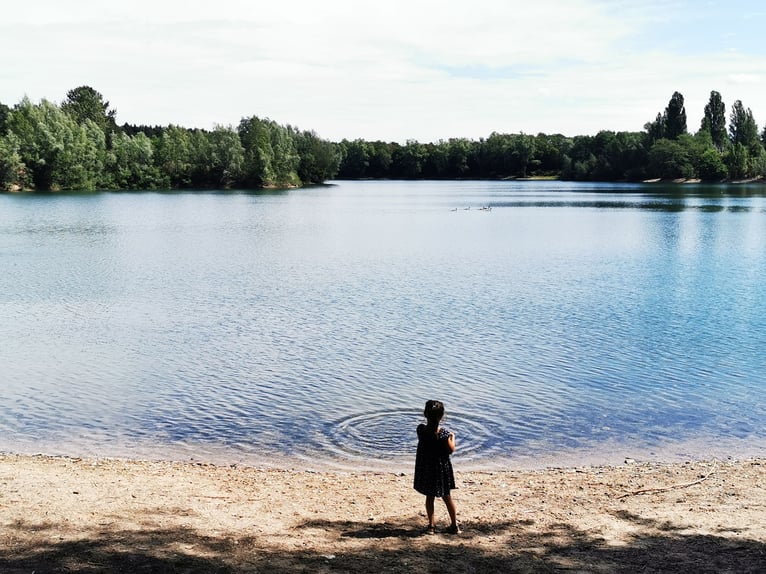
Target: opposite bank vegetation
point(78, 145)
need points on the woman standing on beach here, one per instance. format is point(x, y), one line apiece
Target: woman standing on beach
point(434, 477)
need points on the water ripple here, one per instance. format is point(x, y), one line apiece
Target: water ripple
point(390, 434)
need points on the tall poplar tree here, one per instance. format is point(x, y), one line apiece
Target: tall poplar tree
point(747, 158)
point(675, 117)
point(742, 127)
point(714, 120)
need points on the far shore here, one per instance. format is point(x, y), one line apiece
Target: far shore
point(702, 181)
point(64, 514)
point(274, 187)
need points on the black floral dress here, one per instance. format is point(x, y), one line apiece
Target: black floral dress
point(433, 468)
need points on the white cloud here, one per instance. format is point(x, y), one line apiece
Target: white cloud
point(745, 78)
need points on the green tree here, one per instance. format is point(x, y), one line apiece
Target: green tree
point(256, 141)
point(737, 159)
point(355, 159)
point(13, 172)
point(550, 151)
point(458, 155)
point(85, 103)
point(714, 120)
point(655, 130)
point(497, 155)
point(670, 124)
point(199, 159)
point(35, 144)
point(743, 131)
point(580, 162)
point(82, 162)
point(5, 111)
point(408, 160)
point(705, 157)
point(379, 158)
point(227, 157)
point(319, 159)
point(173, 155)
point(285, 160)
point(670, 159)
point(59, 153)
point(628, 156)
point(711, 166)
point(130, 163)
point(436, 161)
point(675, 117)
point(522, 150)
point(742, 127)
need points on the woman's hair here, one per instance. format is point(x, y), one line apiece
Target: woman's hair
point(433, 412)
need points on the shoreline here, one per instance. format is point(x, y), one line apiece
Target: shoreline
point(604, 453)
point(105, 514)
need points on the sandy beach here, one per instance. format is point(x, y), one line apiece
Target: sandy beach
point(104, 515)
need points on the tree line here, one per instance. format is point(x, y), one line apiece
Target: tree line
point(665, 149)
point(77, 145)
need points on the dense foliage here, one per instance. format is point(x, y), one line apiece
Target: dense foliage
point(78, 145)
point(664, 150)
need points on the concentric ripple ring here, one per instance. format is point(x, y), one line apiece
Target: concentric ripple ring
point(391, 435)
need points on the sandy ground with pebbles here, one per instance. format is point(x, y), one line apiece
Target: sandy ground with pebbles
point(104, 515)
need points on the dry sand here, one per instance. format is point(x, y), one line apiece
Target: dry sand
point(94, 515)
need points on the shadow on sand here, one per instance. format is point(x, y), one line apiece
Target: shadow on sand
point(503, 547)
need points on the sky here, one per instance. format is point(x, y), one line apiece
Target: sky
point(393, 70)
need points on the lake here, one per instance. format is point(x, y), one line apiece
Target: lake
point(560, 323)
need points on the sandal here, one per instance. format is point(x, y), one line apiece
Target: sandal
point(454, 529)
point(429, 530)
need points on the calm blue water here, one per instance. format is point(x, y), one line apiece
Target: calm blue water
point(308, 327)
